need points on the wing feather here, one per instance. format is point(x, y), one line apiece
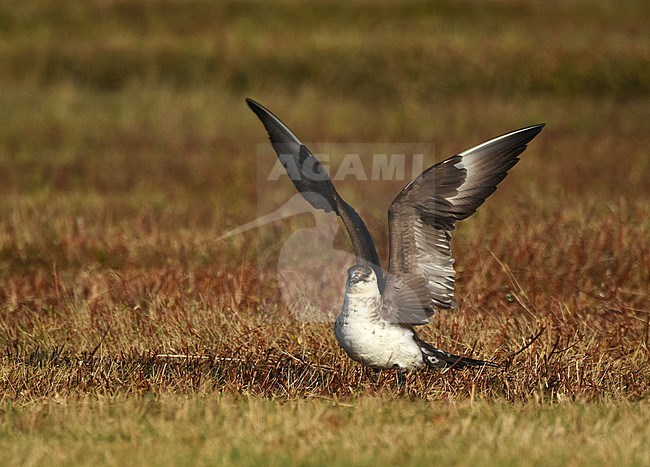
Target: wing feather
point(422, 217)
point(312, 181)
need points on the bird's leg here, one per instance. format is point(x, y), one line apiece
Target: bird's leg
point(376, 375)
point(373, 374)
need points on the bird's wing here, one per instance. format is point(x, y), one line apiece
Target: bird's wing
point(312, 181)
point(422, 217)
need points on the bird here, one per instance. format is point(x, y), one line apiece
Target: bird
point(376, 325)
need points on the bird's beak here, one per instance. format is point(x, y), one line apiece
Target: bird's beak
point(356, 277)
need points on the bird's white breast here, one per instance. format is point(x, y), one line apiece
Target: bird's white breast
point(371, 340)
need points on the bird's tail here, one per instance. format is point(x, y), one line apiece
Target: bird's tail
point(437, 358)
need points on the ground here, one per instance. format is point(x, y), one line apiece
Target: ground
point(131, 333)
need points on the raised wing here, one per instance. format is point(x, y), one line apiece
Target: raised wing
point(312, 181)
point(422, 217)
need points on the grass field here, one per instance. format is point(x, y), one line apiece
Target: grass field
point(126, 150)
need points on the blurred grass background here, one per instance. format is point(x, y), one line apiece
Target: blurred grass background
point(130, 108)
point(114, 95)
point(126, 149)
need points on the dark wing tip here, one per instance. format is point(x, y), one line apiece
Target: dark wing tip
point(526, 134)
point(252, 104)
point(529, 132)
point(535, 129)
point(261, 111)
point(506, 142)
point(282, 138)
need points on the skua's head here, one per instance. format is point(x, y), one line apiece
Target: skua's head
point(361, 279)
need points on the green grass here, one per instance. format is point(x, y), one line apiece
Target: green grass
point(209, 430)
point(126, 150)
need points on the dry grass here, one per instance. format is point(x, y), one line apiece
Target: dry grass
point(126, 150)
